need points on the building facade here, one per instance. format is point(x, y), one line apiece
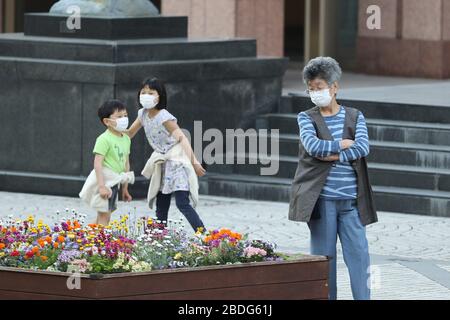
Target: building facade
point(413, 38)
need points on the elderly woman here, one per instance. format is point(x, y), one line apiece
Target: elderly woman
point(331, 189)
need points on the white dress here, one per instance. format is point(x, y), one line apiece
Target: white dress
point(174, 175)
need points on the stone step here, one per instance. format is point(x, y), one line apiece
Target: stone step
point(379, 129)
point(390, 199)
point(375, 110)
point(124, 51)
point(396, 175)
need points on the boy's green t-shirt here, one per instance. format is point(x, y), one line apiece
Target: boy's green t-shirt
point(115, 149)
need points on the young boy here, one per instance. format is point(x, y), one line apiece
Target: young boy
point(111, 163)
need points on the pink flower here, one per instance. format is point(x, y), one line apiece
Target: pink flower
point(252, 251)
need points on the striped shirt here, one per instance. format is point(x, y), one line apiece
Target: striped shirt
point(341, 182)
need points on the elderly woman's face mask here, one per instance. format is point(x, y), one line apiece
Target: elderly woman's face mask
point(321, 97)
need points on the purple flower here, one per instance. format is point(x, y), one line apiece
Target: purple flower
point(68, 255)
point(215, 243)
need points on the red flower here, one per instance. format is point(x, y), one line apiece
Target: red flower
point(29, 254)
point(15, 253)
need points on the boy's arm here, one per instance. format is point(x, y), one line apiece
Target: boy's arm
point(125, 194)
point(127, 169)
point(105, 193)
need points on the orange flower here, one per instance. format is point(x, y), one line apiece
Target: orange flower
point(237, 236)
point(35, 250)
point(4, 230)
point(56, 245)
point(76, 225)
point(92, 225)
point(13, 229)
point(48, 239)
point(2, 246)
point(41, 242)
point(61, 239)
point(44, 258)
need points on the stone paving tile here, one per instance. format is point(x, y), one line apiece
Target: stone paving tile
point(393, 282)
point(396, 237)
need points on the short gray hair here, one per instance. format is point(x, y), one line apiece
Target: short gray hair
point(325, 68)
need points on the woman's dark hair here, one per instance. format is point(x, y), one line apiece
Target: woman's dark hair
point(109, 107)
point(158, 85)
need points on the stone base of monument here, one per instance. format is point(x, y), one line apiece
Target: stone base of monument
point(303, 278)
point(53, 81)
point(52, 25)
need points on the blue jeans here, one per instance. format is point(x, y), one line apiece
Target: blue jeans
point(182, 202)
point(341, 217)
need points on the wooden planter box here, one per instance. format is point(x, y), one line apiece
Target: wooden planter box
point(303, 278)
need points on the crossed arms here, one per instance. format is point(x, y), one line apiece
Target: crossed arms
point(326, 150)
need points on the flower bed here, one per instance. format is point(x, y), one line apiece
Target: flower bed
point(145, 259)
point(123, 246)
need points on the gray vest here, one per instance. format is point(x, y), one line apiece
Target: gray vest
point(312, 174)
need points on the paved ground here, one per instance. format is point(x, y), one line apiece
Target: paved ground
point(410, 254)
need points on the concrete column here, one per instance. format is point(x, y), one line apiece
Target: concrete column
point(260, 19)
point(9, 15)
point(1, 16)
point(320, 28)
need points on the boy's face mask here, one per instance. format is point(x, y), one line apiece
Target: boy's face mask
point(148, 101)
point(121, 124)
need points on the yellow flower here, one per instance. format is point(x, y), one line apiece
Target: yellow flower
point(2, 254)
point(178, 256)
point(81, 248)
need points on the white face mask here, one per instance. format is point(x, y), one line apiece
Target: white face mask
point(148, 101)
point(121, 124)
point(321, 98)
